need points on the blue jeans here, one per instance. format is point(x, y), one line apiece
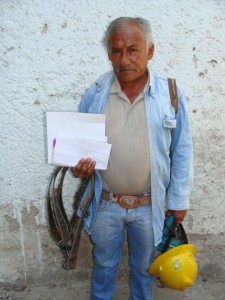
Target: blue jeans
point(109, 230)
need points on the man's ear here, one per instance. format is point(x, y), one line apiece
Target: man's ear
point(109, 56)
point(151, 50)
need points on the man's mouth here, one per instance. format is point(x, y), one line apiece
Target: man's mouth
point(122, 69)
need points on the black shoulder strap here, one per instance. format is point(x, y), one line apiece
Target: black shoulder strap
point(173, 93)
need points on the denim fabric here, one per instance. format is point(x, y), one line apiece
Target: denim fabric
point(111, 224)
point(171, 181)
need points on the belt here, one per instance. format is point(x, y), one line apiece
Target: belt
point(128, 201)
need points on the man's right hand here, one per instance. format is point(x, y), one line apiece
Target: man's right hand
point(84, 168)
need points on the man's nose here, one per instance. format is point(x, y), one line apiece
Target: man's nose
point(124, 60)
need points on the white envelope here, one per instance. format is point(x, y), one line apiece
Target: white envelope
point(83, 125)
point(69, 150)
point(72, 136)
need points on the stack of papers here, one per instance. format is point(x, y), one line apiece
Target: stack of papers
point(72, 136)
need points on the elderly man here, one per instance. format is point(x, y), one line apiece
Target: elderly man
point(142, 126)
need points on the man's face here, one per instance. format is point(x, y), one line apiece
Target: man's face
point(128, 54)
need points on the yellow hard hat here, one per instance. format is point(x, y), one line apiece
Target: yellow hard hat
point(177, 268)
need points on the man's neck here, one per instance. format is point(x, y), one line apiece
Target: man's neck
point(134, 88)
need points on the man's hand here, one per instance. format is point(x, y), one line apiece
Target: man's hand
point(178, 215)
point(84, 168)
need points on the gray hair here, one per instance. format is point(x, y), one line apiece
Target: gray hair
point(118, 25)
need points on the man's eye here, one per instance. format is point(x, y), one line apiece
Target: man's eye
point(115, 51)
point(133, 50)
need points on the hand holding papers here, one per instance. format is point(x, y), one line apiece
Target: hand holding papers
point(72, 136)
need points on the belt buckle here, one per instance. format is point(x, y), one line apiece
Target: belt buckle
point(128, 201)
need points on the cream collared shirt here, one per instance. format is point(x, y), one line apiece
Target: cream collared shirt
point(129, 163)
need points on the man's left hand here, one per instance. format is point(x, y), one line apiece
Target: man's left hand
point(178, 215)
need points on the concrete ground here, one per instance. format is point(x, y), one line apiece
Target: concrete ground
point(202, 290)
point(55, 283)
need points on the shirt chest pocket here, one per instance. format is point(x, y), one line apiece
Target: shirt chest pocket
point(169, 123)
point(167, 126)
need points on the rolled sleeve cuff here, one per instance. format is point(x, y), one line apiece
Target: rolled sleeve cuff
point(178, 202)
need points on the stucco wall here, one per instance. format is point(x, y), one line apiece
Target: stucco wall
point(50, 52)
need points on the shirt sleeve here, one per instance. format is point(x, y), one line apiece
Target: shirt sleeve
point(182, 159)
point(86, 99)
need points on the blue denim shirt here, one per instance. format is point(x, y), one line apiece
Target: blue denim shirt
point(171, 181)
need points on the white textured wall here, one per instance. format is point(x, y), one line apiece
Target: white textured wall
point(50, 52)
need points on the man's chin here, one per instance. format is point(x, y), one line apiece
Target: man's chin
point(126, 76)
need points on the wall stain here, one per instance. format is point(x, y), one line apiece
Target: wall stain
point(37, 102)
point(64, 25)
point(13, 223)
point(213, 62)
point(28, 220)
point(8, 50)
point(45, 28)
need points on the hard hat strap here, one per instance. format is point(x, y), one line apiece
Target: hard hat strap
point(177, 232)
